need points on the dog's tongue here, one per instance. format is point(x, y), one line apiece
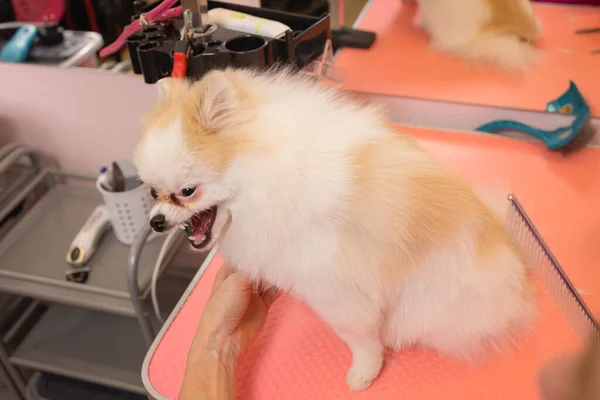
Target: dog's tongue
point(201, 222)
point(199, 237)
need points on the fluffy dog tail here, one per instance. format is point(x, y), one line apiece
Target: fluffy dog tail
point(503, 50)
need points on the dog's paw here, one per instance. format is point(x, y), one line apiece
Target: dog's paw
point(363, 372)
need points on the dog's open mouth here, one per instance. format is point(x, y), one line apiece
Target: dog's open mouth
point(199, 227)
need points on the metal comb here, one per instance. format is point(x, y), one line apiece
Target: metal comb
point(549, 273)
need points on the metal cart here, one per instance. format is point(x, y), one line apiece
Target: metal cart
point(96, 332)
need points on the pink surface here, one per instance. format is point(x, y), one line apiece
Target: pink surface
point(401, 62)
point(298, 357)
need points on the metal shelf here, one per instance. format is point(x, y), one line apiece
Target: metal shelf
point(6, 394)
point(8, 390)
point(43, 386)
point(32, 255)
point(87, 345)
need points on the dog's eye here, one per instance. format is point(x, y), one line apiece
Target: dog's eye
point(153, 193)
point(187, 192)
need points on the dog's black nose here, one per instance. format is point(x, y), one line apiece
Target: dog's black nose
point(158, 222)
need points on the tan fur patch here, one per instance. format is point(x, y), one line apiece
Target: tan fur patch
point(490, 233)
point(383, 194)
point(493, 233)
point(413, 210)
point(508, 17)
point(170, 198)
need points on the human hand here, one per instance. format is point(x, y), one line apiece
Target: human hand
point(572, 377)
point(232, 318)
point(235, 313)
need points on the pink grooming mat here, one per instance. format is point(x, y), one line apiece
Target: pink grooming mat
point(298, 357)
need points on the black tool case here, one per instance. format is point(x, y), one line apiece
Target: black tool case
point(151, 49)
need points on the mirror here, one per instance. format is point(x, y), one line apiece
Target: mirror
point(425, 86)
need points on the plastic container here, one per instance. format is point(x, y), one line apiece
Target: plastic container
point(247, 51)
point(129, 211)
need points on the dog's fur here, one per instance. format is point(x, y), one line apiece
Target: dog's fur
point(326, 201)
point(499, 32)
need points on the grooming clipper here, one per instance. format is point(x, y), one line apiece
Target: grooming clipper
point(85, 244)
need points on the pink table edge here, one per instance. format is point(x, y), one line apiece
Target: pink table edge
point(152, 392)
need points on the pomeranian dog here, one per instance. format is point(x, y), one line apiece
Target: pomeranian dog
point(323, 199)
point(498, 32)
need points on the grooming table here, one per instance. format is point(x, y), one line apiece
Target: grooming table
point(298, 357)
point(402, 64)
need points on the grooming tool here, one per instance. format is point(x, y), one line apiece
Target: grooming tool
point(198, 10)
point(162, 12)
point(17, 48)
point(181, 50)
point(570, 102)
point(155, 30)
point(85, 244)
point(549, 273)
point(241, 22)
point(123, 176)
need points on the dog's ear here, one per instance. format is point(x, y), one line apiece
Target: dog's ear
point(218, 102)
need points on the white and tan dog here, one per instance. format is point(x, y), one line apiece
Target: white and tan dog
point(328, 202)
point(499, 32)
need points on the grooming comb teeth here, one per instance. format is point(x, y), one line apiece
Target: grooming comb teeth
point(549, 273)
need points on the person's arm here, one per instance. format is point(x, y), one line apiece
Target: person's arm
point(209, 375)
point(231, 320)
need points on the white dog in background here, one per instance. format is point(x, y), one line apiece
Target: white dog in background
point(499, 32)
point(328, 202)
